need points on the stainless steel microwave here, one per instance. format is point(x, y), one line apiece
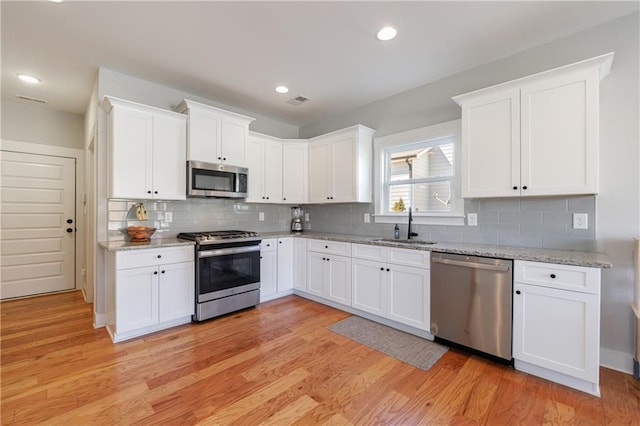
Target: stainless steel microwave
point(216, 180)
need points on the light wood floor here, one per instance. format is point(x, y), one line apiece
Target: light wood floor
point(276, 364)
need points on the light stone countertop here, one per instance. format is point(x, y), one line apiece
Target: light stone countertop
point(153, 244)
point(562, 257)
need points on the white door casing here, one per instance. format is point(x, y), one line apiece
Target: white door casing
point(38, 198)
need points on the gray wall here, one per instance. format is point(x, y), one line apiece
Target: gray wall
point(149, 93)
point(35, 124)
point(618, 204)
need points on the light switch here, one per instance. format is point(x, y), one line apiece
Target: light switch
point(367, 217)
point(261, 216)
point(168, 217)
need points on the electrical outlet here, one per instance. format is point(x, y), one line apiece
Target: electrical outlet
point(306, 217)
point(367, 218)
point(261, 216)
point(472, 219)
point(168, 217)
point(580, 221)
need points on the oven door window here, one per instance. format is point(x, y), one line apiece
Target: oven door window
point(213, 180)
point(227, 271)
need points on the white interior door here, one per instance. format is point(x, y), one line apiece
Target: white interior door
point(38, 209)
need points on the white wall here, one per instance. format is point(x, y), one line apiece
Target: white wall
point(618, 204)
point(37, 124)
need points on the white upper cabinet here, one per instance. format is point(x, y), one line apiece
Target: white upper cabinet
point(294, 171)
point(264, 160)
point(340, 165)
point(215, 135)
point(147, 151)
point(534, 136)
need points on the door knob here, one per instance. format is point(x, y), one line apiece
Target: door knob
point(69, 230)
point(69, 221)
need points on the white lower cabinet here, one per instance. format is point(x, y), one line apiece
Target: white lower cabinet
point(149, 290)
point(329, 274)
point(397, 292)
point(276, 268)
point(268, 268)
point(556, 332)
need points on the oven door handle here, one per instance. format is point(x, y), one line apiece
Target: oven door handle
point(226, 251)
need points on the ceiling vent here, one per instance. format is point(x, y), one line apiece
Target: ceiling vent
point(30, 99)
point(298, 100)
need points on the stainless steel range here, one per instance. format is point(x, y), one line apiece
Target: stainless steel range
point(227, 271)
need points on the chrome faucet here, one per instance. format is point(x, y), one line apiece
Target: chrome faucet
point(409, 233)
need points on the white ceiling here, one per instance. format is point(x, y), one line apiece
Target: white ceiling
point(235, 53)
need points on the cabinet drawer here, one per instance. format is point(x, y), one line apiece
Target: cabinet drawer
point(330, 247)
point(409, 257)
point(152, 257)
point(269, 244)
point(369, 252)
point(565, 277)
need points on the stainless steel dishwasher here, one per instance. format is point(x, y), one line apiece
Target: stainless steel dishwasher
point(471, 302)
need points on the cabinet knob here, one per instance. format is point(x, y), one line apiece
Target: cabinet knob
point(387, 269)
point(263, 198)
point(159, 256)
point(328, 259)
point(517, 291)
point(553, 276)
point(155, 192)
point(219, 158)
point(382, 269)
point(524, 187)
point(515, 188)
point(267, 198)
point(224, 159)
point(324, 258)
point(260, 257)
point(163, 272)
point(285, 198)
point(327, 198)
point(326, 247)
point(148, 192)
point(331, 198)
point(279, 242)
point(155, 272)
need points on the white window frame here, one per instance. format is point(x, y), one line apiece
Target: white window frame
point(424, 134)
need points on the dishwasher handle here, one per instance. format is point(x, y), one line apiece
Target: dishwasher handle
point(476, 265)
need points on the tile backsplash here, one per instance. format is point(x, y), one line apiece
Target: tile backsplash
point(525, 222)
point(197, 215)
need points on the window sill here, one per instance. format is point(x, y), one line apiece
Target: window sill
point(421, 220)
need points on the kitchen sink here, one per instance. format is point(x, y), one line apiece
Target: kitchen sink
point(393, 240)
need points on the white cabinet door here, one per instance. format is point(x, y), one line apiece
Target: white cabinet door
point(234, 135)
point(491, 130)
point(342, 171)
point(300, 264)
point(255, 162)
point(176, 291)
point(319, 157)
point(285, 264)
point(131, 159)
point(408, 296)
point(338, 279)
point(316, 273)
point(294, 172)
point(273, 172)
point(557, 329)
point(203, 135)
point(169, 158)
point(136, 300)
point(560, 135)
point(369, 281)
point(268, 272)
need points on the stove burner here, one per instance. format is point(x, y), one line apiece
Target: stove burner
point(213, 237)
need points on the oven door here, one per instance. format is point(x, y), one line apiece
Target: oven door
point(222, 272)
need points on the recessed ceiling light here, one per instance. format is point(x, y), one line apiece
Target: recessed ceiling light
point(282, 89)
point(56, 1)
point(386, 33)
point(28, 78)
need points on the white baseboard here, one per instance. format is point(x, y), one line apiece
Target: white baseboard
point(615, 360)
point(99, 320)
